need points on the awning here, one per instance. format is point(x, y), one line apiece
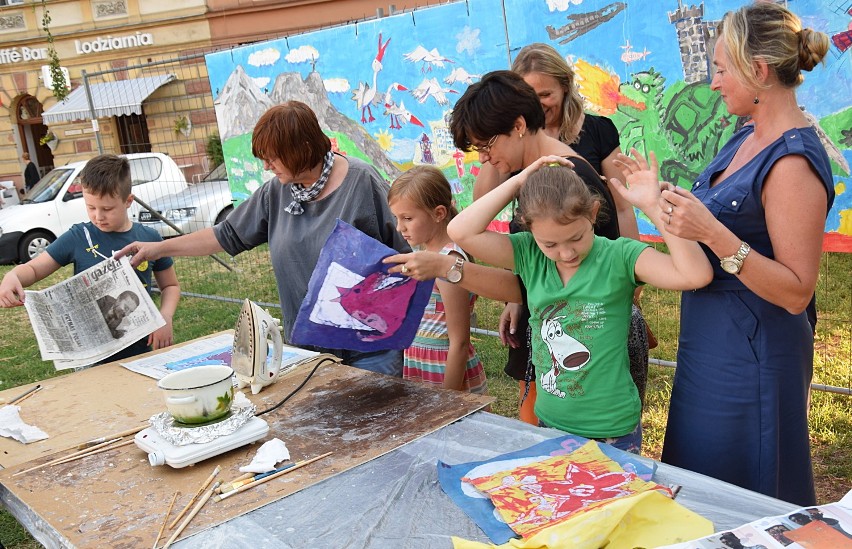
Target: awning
point(118, 98)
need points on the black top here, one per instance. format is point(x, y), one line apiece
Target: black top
point(607, 222)
point(30, 175)
point(598, 138)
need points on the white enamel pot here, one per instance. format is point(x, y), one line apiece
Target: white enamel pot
point(200, 394)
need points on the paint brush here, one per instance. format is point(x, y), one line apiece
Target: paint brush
point(197, 494)
point(25, 394)
point(99, 440)
point(269, 477)
point(93, 452)
point(244, 476)
point(166, 519)
point(63, 458)
point(192, 514)
point(254, 476)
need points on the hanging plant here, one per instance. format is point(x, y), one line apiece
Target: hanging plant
point(47, 138)
point(183, 125)
point(60, 87)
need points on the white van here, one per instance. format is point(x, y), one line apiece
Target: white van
point(56, 202)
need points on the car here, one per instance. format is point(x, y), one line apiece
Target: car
point(55, 203)
point(201, 205)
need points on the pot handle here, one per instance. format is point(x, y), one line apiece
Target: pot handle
point(180, 400)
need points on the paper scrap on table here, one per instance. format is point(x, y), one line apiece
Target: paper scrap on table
point(240, 400)
point(267, 456)
point(11, 425)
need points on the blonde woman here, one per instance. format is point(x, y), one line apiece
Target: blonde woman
point(745, 356)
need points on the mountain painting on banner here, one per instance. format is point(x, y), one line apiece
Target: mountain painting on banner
point(383, 88)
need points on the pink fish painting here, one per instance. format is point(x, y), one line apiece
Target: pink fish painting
point(353, 302)
point(380, 306)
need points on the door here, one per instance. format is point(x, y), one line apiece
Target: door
point(30, 131)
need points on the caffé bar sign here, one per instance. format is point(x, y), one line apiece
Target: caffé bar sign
point(24, 54)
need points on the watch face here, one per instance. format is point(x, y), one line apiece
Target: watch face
point(454, 275)
point(730, 266)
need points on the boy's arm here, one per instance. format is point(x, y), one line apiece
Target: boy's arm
point(23, 276)
point(169, 296)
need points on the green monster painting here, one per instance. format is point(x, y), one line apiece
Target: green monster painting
point(683, 125)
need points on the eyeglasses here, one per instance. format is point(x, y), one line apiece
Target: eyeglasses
point(485, 149)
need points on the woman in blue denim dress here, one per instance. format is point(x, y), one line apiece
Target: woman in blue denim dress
point(745, 356)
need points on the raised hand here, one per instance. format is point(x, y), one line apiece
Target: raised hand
point(641, 185)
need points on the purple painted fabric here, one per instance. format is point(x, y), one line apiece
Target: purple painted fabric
point(353, 302)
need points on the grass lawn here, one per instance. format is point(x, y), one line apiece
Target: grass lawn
point(830, 415)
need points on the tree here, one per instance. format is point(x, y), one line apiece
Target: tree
point(60, 87)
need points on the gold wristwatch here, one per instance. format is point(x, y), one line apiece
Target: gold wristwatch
point(733, 264)
point(456, 272)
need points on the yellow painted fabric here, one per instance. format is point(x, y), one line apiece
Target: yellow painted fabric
point(648, 519)
point(585, 500)
point(539, 494)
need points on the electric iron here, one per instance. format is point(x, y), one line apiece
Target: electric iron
point(255, 335)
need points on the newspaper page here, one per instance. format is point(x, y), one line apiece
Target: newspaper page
point(215, 350)
point(92, 315)
point(818, 527)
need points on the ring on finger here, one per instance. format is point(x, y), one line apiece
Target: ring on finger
point(405, 269)
point(670, 210)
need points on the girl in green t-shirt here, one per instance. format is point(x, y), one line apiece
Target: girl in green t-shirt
point(580, 287)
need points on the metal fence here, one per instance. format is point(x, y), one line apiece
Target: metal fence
point(179, 119)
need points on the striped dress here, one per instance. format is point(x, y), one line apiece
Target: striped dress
point(426, 358)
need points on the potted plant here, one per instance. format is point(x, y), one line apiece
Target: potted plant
point(183, 125)
point(50, 140)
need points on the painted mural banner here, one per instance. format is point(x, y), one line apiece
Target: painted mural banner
point(383, 89)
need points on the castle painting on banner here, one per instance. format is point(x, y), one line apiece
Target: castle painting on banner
point(383, 89)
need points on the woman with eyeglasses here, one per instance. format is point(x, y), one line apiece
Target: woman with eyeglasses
point(501, 117)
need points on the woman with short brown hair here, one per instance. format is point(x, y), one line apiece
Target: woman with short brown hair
point(295, 212)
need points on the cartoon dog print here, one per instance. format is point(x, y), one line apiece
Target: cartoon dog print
point(566, 353)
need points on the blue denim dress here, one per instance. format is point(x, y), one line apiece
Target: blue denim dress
point(739, 401)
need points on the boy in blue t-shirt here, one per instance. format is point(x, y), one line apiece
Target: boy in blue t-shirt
point(106, 192)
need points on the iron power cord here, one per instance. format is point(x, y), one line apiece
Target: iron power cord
point(297, 389)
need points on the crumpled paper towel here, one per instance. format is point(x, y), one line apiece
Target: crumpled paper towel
point(12, 426)
point(270, 453)
point(240, 400)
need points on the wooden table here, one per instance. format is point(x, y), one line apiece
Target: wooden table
point(379, 489)
point(117, 497)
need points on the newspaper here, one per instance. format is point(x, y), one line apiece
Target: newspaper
point(92, 315)
point(215, 350)
point(826, 526)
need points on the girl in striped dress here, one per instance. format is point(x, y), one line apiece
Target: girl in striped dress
point(442, 353)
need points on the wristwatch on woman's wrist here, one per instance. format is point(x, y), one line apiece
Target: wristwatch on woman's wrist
point(456, 272)
point(733, 264)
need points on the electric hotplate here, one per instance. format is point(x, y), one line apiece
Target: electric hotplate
point(162, 452)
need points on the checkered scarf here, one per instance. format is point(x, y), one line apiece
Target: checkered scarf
point(302, 194)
